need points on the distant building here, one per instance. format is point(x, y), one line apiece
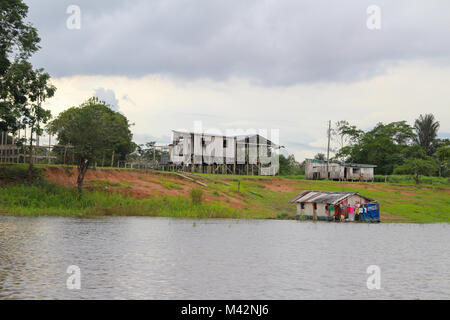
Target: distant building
point(209, 153)
point(317, 170)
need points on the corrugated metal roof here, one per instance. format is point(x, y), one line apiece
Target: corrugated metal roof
point(238, 137)
point(350, 165)
point(310, 196)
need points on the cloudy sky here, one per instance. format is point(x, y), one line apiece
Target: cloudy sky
point(290, 65)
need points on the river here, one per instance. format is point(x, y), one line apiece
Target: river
point(161, 258)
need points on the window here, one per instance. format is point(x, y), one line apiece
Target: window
point(302, 205)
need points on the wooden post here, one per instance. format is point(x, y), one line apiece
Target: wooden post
point(112, 158)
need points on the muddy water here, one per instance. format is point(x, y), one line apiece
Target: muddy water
point(153, 258)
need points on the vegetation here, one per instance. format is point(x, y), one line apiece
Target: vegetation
point(401, 199)
point(196, 196)
point(22, 88)
point(426, 128)
point(93, 129)
point(396, 147)
point(289, 166)
point(417, 167)
point(97, 134)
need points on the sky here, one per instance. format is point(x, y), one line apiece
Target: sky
point(289, 65)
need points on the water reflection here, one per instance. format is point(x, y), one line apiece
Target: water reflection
point(153, 258)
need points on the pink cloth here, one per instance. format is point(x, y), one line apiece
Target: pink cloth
point(351, 209)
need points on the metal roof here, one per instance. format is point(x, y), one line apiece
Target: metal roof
point(351, 165)
point(238, 137)
point(310, 196)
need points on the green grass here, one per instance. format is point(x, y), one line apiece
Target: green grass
point(44, 198)
point(401, 200)
point(425, 203)
point(405, 179)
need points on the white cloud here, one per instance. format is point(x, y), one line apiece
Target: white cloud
point(158, 104)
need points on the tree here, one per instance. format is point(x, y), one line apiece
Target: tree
point(289, 166)
point(426, 128)
point(344, 135)
point(417, 167)
point(320, 156)
point(24, 91)
point(19, 40)
point(443, 157)
point(92, 129)
point(383, 146)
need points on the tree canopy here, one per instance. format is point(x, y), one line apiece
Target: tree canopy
point(396, 145)
point(93, 129)
point(426, 128)
point(22, 89)
point(19, 40)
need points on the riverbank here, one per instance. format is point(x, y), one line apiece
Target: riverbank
point(122, 192)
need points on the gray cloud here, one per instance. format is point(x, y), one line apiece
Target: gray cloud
point(272, 42)
point(108, 96)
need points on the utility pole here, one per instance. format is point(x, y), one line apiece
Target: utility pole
point(328, 150)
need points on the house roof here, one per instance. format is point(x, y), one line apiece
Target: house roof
point(310, 196)
point(238, 137)
point(353, 165)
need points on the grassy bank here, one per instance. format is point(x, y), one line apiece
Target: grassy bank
point(137, 193)
point(41, 197)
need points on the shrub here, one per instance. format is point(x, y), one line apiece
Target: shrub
point(196, 196)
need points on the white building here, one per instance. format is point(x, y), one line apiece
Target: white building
point(317, 170)
point(209, 153)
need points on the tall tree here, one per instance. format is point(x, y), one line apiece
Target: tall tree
point(443, 157)
point(426, 128)
point(23, 90)
point(320, 156)
point(18, 41)
point(343, 135)
point(383, 146)
point(93, 129)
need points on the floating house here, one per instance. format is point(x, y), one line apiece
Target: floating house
point(210, 153)
point(317, 170)
point(321, 205)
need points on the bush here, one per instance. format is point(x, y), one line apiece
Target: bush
point(196, 196)
point(18, 173)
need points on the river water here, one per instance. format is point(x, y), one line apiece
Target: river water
point(159, 258)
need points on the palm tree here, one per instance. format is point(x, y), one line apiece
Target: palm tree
point(426, 128)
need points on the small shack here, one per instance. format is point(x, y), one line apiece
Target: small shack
point(317, 170)
point(321, 205)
